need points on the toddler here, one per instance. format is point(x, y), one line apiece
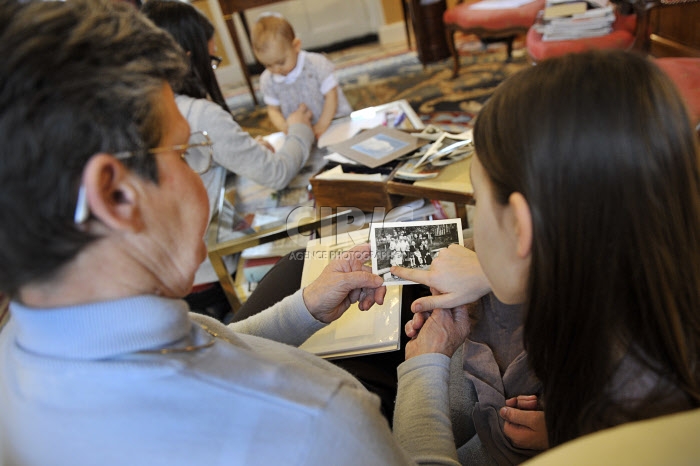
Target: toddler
point(293, 76)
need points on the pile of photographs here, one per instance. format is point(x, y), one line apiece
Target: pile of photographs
point(446, 148)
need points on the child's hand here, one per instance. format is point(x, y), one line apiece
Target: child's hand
point(320, 128)
point(300, 115)
point(275, 115)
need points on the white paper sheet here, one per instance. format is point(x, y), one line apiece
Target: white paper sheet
point(336, 173)
point(499, 4)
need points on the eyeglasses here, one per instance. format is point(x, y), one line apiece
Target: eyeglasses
point(215, 61)
point(197, 153)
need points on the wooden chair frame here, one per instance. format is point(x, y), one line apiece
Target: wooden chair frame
point(507, 35)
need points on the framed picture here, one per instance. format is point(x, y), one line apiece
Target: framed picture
point(377, 146)
point(410, 244)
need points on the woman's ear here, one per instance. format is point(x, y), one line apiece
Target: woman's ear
point(523, 223)
point(111, 193)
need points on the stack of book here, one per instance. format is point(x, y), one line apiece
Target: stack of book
point(567, 20)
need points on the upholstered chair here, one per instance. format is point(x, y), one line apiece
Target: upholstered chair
point(631, 31)
point(685, 73)
point(490, 25)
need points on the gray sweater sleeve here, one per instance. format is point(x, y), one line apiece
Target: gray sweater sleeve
point(422, 415)
point(288, 322)
point(421, 419)
point(240, 153)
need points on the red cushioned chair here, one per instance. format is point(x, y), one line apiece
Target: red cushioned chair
point(502, 25)
point(685, 73)
point(630, 31)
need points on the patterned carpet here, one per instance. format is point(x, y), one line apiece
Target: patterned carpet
point(373, 75)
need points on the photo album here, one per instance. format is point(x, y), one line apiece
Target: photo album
point(377, 146)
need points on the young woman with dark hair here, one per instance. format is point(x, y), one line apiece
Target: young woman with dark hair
point(200, 100)
point(609, 172)
point(195, 34)
point(587, 182)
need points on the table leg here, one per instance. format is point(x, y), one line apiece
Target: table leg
point(462, 213)
point(217, 261)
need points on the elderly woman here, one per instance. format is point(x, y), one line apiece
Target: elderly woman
point(101, 227)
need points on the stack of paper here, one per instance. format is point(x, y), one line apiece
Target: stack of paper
point(567, 20)
point(498, 4)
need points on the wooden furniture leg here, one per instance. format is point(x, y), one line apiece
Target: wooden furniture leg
point(406, 20)
point(450, 36)
point(239, 52)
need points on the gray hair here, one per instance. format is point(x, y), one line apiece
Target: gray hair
point(76, 78)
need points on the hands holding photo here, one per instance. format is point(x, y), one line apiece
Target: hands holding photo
point(343, 282)
point(441, 321)
point(455, 277)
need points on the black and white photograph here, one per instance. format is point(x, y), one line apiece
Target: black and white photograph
point(410, 244)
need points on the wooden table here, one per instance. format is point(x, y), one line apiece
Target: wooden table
point(229, 8)
point(218, 250)
point(452, 185)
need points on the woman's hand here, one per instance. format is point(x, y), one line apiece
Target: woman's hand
point(300, 115)
point(455, 277)
point(525, 426)
point(344, 281)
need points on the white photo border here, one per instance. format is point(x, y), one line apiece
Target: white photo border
point(382, 259)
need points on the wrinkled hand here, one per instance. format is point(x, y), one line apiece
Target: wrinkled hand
point(300, 115)
point(344, 281)
point(525, 426)
point(455, 277)
point(441, 331)
point(264, 143)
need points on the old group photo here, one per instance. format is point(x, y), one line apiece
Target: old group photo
point(410, 244)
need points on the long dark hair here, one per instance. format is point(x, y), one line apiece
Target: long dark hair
point(601, 146)
point(192, 30)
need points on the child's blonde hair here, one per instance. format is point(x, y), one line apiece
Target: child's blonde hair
point(268, 27)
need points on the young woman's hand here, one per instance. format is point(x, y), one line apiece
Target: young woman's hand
point(455, 277)
point(525, 425)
